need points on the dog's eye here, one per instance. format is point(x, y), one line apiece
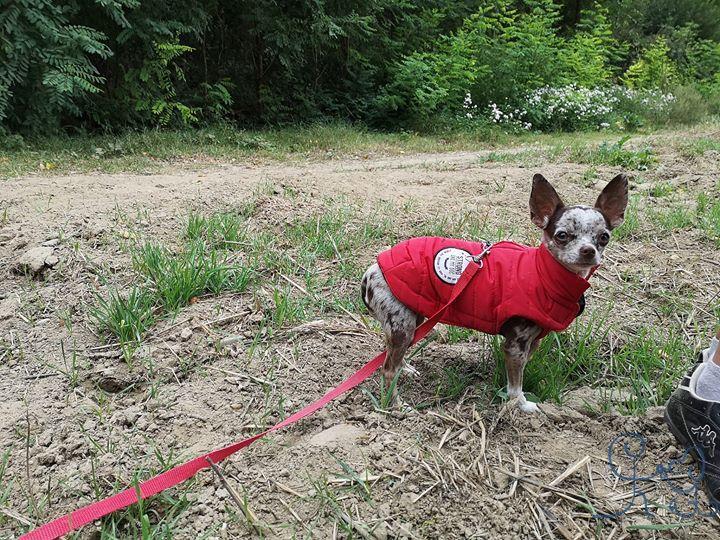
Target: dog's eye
point(604, 238)
point(562, 236)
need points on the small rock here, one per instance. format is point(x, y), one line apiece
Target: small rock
point(6, 236)
point(407, 500)
point(9, 307)
point(656, 414)
point(381, 531)
point(560, 414)
point(35, 261)
point(338, 435)
point(46, 458)
point(186, 334)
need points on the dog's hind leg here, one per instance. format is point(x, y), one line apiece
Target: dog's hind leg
point(398, 322)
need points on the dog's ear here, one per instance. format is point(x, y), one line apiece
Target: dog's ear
point(544, 201)
point(613, 200)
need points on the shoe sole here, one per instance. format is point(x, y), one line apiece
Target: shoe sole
point(686, 443)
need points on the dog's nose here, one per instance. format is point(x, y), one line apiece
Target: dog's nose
point(587, 251)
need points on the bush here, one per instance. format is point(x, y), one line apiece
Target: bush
point(654, 68)
point(572, 107)
point(688, 107)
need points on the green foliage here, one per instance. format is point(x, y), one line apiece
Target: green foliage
point(688, 107)
point(617, 155)
point(175, 278)
point(127, 317)
point(152, 87)
point(47, 63)
point(654, 68)
point(88, 65)
point(592, 50)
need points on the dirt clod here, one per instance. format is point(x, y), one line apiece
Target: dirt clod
point(35, 261)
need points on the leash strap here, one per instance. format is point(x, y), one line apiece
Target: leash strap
point(180, 473)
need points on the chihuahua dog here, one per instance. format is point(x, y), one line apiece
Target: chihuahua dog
point(522, 292)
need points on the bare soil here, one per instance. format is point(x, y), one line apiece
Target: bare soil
point(443, 469)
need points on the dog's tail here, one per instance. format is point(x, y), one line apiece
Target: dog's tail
point(363, 292)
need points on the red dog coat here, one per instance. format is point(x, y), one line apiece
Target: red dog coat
point(515, 281)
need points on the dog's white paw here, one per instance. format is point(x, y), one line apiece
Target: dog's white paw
point(410, 370)
point(528, 406)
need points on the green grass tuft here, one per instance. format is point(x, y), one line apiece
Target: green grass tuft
point(646, 367)
point(616, 155)
point(700, 147)
point(220, 231)
point(631, 224)
point(175, 278)
point(127, 317)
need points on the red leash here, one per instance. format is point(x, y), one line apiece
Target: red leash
point(176, 475)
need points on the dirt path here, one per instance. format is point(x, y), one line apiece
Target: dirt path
point(79, 422)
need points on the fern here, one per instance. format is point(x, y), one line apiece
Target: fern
point(46, 63)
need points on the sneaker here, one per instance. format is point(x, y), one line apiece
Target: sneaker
point(695, 423)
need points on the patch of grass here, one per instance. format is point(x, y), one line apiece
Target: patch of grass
point(337, 230)
point(631, 224)
point(155, 518)
point(589, 176)
point(386, 395)
point(175, 278)
point(470, 225)
point(523, 156)
point(154, 150)
point(220, 231)
point(679, 217)
point(127, 317)
point(6, 484)
point(646, 367)
point(170, 280)
point(285, 309)
point(700, 147)
point(709, 216)
point(615, 154)
point(331, 503)
point(453, 384)
point(649, 366)
point(705, 216)
point(662, 189)
point(457, 334)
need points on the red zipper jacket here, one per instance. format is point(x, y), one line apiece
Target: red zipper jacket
point(515, 281)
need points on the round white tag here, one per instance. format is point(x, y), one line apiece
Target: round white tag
point(450, 263)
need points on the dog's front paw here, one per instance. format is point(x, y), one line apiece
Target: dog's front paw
point(410, 370)
point(528, 406)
